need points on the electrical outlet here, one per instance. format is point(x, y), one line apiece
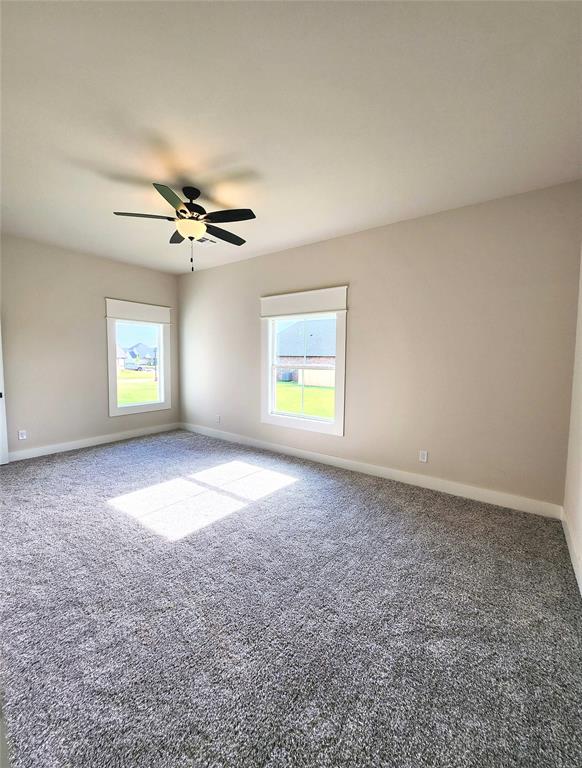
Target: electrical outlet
point(423, 456)
point(217, 419)
point(22, 434)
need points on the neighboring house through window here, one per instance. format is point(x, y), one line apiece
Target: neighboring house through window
point(138, 339)
point(303, 350)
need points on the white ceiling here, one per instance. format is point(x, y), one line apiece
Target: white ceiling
point(335, 116)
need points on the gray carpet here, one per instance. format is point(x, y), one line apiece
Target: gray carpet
point(276, 613)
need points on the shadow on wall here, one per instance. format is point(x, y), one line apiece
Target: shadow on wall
point(179, 507)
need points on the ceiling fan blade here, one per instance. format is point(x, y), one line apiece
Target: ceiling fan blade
point(143, 215)
point(169, 195)
point(222, 234)
point(176, 237)
point(235, 214)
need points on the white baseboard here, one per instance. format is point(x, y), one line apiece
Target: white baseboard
point(87, 442)
point(499, 498)
point(575, 555)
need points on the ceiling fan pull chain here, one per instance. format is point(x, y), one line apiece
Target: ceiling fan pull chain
point(192, 254)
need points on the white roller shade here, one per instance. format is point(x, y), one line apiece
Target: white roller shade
point(133, 310)
point(305, 302)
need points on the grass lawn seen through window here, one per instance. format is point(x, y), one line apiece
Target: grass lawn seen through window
point(137, 387)
point(317, 401)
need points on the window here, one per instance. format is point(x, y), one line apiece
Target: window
point(303, 370)
point(138, 343)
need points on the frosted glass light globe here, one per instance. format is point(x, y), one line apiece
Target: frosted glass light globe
point(191, 228)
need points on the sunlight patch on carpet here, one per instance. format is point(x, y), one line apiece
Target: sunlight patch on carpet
point(179, 507)
point(244, 480)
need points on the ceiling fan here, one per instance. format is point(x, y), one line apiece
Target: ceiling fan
point(191, 219)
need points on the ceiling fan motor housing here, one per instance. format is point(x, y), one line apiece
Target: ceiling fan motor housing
point(189, 208)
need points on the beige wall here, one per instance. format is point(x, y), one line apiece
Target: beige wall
point(461, 330)
point(54, 340)
point(573, 495)
point(3, 432)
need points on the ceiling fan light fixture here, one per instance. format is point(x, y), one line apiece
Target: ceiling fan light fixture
point(191, 228)
point(188, 222)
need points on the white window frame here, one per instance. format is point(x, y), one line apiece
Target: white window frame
point(134, 312)
point(326, 301)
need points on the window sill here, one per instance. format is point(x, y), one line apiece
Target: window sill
point(126, 410)
point(308, 425)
